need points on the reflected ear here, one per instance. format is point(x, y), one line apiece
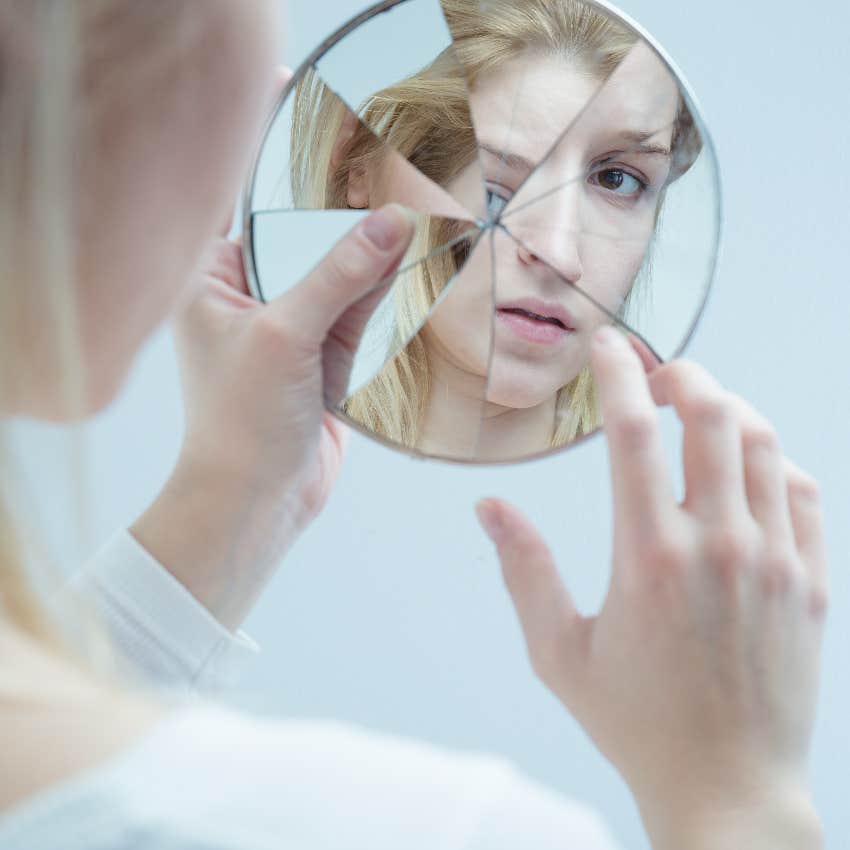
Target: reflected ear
point(687, 145)
point(343, 139)
point(357, 191)
point(357, 187)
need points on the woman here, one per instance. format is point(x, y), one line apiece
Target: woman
point(98, 140)
point(538, 105)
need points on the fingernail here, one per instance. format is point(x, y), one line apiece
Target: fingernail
point(386, 227)
point(608, 336)
point(488, 516)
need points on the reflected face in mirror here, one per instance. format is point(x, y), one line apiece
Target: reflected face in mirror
point(538, 166)
point(588, 238)
point(592, 234)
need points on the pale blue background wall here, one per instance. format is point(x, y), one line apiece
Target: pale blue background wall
point(390, 611)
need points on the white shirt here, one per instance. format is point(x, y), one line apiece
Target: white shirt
point(207, 778)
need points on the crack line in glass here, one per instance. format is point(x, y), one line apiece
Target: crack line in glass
point(571, 125)
point(612, 316)
point(435, 252)
point(505, 147)
point(491, 355)
point(398, 344)
point(469, 104)
point(508, 212)
point(386, 146)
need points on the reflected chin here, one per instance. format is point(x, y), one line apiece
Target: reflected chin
point(512, 389)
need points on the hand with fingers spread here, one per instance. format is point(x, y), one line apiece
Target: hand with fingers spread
point(698, 677)
point(260, 453)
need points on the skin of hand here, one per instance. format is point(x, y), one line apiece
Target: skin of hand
point(698, 677)
point(261, 453)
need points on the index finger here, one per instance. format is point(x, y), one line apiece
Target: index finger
point(642, 489)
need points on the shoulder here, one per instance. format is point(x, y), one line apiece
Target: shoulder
point(207, 778)
point(344, 785)
point(350, 787)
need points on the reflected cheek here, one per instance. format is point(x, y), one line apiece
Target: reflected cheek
point(462, 324)
point(467, 188)
point(609, 277)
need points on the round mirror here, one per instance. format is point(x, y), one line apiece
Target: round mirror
point(561, 178)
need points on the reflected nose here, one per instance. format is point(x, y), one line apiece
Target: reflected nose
point(550, 233)
point(557, 257)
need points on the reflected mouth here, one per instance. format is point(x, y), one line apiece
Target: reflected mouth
point(536, 321)
point(529, 315)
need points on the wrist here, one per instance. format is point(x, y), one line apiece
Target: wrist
point(769, 818)
point(220, 532)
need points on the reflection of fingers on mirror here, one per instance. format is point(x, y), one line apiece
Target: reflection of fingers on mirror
point(430, 339)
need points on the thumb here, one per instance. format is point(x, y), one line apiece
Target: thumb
point(357, 264)
point(555, 632)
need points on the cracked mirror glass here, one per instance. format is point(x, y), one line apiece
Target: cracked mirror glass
point(561, 178)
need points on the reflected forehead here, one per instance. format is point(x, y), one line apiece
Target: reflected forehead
point(526, 103)
point(533, 97)
point(641, 90)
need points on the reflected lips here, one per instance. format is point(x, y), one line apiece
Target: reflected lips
point(536, 321)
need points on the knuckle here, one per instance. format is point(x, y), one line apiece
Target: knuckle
point(349, 261)
point(818, 601)
point(731, 549)
point(682, 372)
point(543, 659)
point(667, 554)
point(803, 486)
point(761, 437)
point(710, 409)
point(635, 430)
point(779, 574)
point(273, 335)
point(268, 329)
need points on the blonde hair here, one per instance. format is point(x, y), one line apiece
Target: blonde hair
point(64, 68)
point(422, 117)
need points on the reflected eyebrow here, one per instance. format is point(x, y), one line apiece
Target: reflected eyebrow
point(635, 140)
point(513, 161)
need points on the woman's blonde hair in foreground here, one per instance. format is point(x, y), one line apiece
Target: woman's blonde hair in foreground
point(422, 118)
point(64, 69)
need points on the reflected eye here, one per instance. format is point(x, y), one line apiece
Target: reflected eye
point(618, 181)
point(496, 202)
